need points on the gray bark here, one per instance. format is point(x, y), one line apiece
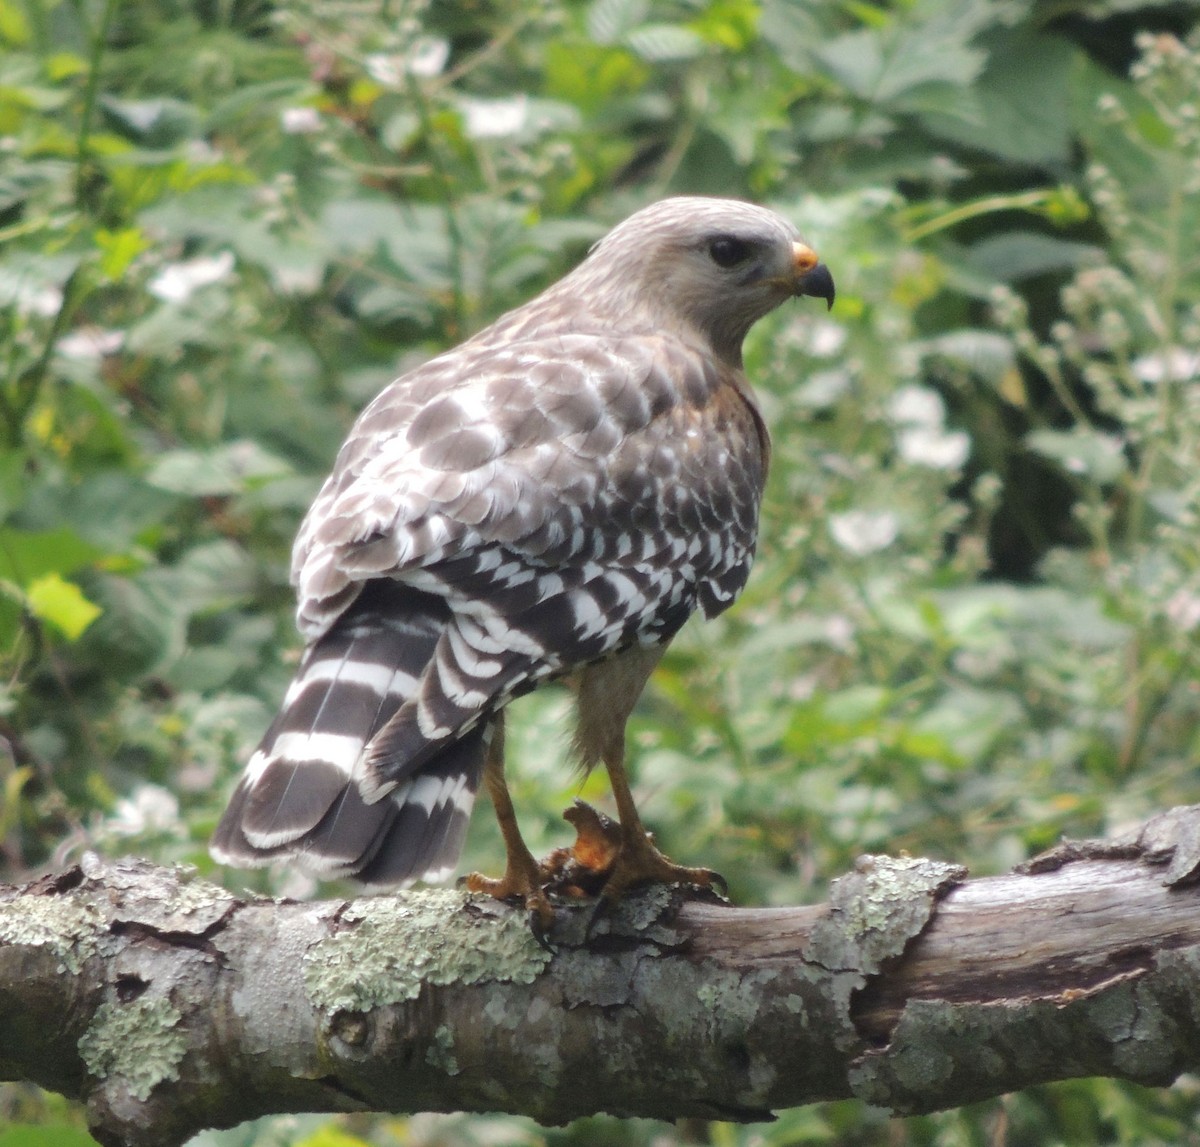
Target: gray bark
point(168, 1005)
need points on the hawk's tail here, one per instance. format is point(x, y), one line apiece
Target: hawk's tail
point(300, 797)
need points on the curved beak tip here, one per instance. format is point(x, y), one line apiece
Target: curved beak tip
point(817, 282)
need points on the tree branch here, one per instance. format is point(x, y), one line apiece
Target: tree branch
point(168, 1005)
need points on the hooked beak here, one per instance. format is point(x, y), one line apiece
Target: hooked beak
point(812, 277)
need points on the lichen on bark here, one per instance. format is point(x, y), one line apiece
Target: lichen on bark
point(138, 1042)
point(68, 926)
point(385, 948)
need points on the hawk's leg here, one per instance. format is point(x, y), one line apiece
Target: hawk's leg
point(522, 878)
point(607, 693)
point(638, 861)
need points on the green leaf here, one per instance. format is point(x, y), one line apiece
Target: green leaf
point(115, 510)
point(144, 624)
point(255, 100)
point(13, 614)
point(732, 24)
point(62, 65)
point(210, 576)
point(119, 249)
point(153, 123)
point(14, 28)
point(969, 721)
point(592, 76)
point(661, 43)
point(1082, 452)
point(401, 130)
point(1019, 255)
point(61, 604)
point(331, 1136)
point(228, 469)
point(609, 20)
point(884, 69)
point(26, 555)
point(794, 30)
point(45, 1135)
point(12, 482)
point(985, 353)
point(1021, 101)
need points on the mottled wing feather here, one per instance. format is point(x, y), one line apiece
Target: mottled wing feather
point(582, 448)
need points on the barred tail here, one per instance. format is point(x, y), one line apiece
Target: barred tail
point(302, 798)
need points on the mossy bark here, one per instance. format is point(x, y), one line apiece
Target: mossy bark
point(168, 1005)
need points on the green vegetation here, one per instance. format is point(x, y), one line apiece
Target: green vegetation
point(225, 224)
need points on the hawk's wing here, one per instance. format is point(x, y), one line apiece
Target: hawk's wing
point(540, 462)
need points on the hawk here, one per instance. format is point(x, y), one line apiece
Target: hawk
point(550, 500)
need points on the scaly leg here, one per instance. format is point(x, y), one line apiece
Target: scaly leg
point(607, 692)
point(522, 877)
point(639, 862)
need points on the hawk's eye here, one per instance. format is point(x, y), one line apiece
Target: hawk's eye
point(726, 251)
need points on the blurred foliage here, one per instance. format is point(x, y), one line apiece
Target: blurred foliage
point(224, 224)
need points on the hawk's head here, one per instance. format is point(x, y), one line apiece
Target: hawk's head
point(711, 267)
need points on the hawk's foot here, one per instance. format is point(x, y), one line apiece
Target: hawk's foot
point(522, 884)
point(639, 862)
point(606, 861)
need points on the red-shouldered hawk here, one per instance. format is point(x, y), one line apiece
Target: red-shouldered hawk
point(553, 498)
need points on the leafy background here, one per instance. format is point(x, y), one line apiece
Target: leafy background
point(225, 224)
